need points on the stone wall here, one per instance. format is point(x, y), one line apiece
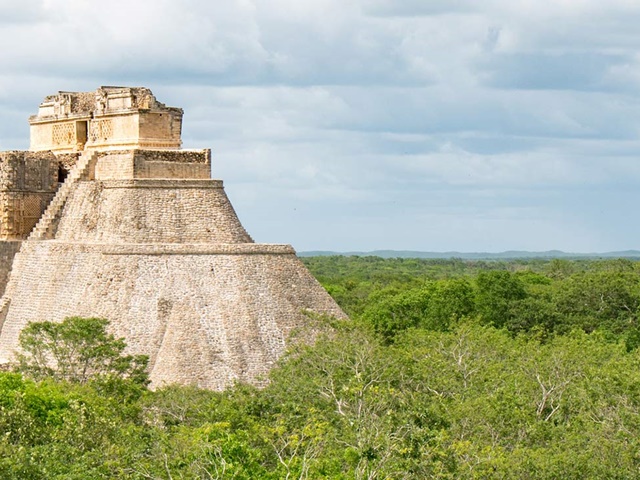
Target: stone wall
point(150, 211)
point(28, 171)
point(28, 182)
point(161, 125)
point(168, 164)
point(67, 160)
point(20, 212)
point(110, 117)
point(185, 164)
point(8, 250)
point(114, 131)
point(205, 319)
point(54, 136)
point(114, 165)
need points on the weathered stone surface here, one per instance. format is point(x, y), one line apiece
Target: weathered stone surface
point(146, 239)
point(204, 317)
point(28, 182)
point(150, 211)
point(8, 250)
point(167, 164)
point(110, 117)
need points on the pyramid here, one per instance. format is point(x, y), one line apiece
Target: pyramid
point(106, 216)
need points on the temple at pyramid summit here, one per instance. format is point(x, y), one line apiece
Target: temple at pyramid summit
point(107, 216)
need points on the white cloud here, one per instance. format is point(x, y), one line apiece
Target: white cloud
point(26, 11)
point(419, 125)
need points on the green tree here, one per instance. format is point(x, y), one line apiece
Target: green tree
point(596, 300)
point(432, 306)
point(76, 350)
point(449, 302)
point(497, 294)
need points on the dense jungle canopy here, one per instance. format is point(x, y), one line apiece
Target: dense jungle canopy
point(447, 369)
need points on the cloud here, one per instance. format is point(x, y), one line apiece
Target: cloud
point(26, 11)
point(568, 71)
point(433, 125)
point(416, 8)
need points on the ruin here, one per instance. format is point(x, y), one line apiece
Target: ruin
point(106, 216)
point(110, 118)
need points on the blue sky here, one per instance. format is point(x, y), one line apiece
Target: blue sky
point(372, 124)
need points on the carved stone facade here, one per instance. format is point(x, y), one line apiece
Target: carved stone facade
point(28, 182)
point(145, 238)
point(109, 118)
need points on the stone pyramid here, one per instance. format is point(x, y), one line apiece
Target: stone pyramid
point(107, 216)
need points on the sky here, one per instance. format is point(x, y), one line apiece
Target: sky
point(372, 124)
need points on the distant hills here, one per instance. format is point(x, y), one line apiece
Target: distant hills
point(511, 254)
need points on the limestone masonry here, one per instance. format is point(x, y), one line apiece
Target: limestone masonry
point(106, 216)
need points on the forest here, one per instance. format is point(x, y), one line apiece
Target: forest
point(447, 369)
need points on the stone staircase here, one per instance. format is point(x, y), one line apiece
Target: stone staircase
point(45, 228)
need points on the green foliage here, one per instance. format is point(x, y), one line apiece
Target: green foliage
point(393, 313)
point(497, 293)
point(61, 430)
point(450, 370)
point(77, 350)
point(535, 297)
point(353, 280)
point(471, 402)
point(600, 300)
point(433, 306)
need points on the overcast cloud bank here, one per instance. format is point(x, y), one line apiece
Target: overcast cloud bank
point(407, 125)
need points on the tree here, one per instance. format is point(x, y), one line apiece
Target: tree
point(603, 299)
point(77, 350)
point(497, 294)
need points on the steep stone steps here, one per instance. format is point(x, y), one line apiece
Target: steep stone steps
point(44, 229)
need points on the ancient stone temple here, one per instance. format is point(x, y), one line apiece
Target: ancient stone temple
point(106, 216)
